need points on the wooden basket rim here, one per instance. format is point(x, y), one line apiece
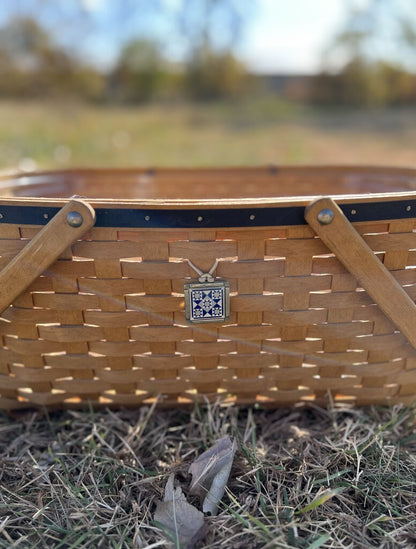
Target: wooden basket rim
point(209, 212)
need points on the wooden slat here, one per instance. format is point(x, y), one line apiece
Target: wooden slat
point(358, 258)
point(42, 251)
point(251, 269)
point(156, 269)
point(106, 250)
point(111, 287)
point(256, 303)
point(155, 304)
point(70, 333)
point(109, 319)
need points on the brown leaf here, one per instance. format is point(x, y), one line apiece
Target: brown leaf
point(210, 473)
point(179, 517)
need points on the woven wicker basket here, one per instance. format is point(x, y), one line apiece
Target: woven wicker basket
point(312, 298)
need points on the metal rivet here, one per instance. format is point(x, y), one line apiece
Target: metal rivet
point(1, 216)
point(74, 219)
point(325, 216)
point(147, 217)
point(252, 217)
point(46, 216)
point(353, 212)
point(408, 208)
point(200, 218)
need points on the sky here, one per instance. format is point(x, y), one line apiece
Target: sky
point(291, 35)
point(287, 36)
point(280, 36)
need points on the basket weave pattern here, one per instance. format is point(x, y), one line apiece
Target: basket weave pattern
point(106, 322)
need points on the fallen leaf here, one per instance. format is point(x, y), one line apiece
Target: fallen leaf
point(210, 474)
point(182, 520)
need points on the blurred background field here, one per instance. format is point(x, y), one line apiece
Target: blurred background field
point(206, 82)
point(38, 135)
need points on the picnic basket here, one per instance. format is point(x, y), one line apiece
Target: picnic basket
point(275, 285)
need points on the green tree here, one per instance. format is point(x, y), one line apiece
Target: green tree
point(361, 84)
point(140, 72)
point(204, 32)
point(212, 29)
point(400, 85)
point(215, 75)
point(379, 30)
point(32, 65)
point(375, 43)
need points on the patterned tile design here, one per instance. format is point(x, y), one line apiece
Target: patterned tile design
point(207, 301)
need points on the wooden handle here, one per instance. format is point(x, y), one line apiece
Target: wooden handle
point(337, 233)
point(69, 224)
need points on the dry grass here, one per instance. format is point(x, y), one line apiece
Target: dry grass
point(304, 478)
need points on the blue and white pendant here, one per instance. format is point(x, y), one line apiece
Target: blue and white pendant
point(207, 299)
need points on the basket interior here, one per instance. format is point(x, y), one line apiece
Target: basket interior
point(210, 183)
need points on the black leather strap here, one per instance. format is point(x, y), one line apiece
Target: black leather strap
point(211, 218)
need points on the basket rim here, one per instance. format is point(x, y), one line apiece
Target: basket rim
point(208, 212)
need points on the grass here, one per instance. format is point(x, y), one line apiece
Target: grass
point(303, 478)
point(248, 132)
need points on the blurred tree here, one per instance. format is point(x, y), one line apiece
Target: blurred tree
point(44, 48)
point(376, 30)
point(31, 65)
point(400, 85)
point(360, 83)
point(364, 84)
point(140, 72)
point(208, 30)
point(24, 42)
point(215, 75)
point(213, 24)
point(372, 60)
point(212, 29)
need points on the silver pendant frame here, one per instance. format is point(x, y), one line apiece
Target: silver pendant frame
point(217, 292)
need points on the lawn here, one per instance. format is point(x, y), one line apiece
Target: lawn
point(255, 132)
point(301, 478)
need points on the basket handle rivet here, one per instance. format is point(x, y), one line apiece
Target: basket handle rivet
point(325, 216)
point(74, 219)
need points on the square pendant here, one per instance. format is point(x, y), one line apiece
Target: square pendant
point(207, 301)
